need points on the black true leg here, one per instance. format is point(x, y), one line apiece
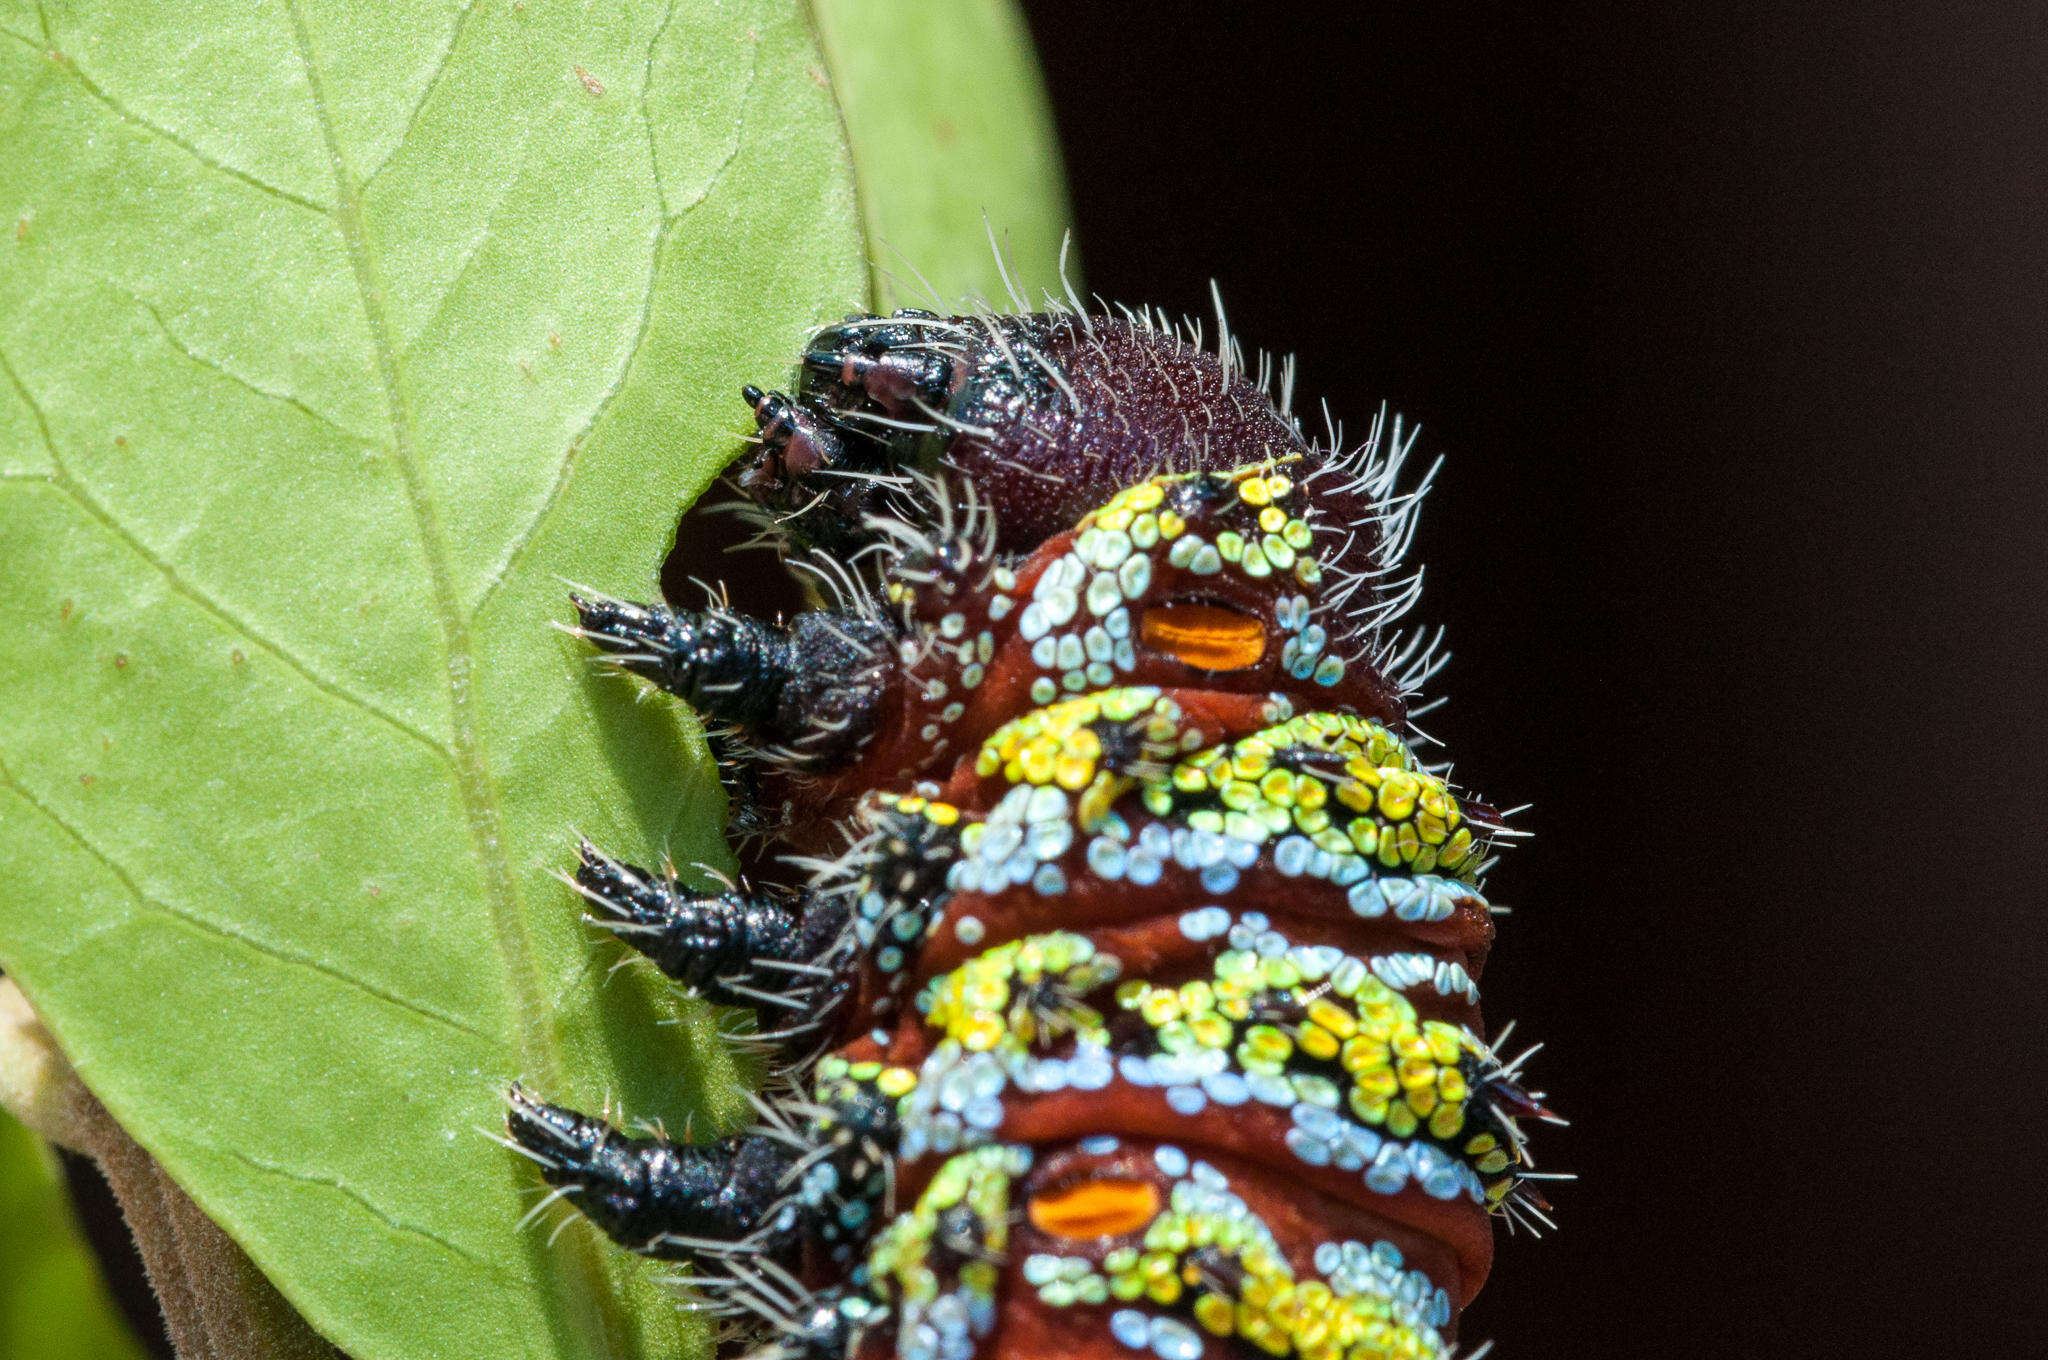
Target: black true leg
point(656, 1197)
point(739, 948)
point(870, 393)
point(796, 440)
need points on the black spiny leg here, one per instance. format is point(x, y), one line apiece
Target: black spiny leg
point(812, 689)
point(728, 666)
point(656, 1197)
point(755, 947)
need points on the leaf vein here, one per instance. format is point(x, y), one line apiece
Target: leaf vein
point(646, 117)
point(412, 116)
point(224, 371)
point(739, 132)
point(530, 531)
point(431, 322)
point(343, 1188)
point(578, 1281)
point(472, 776)
point(61, 479)
point(158, 130)
point(219, 929)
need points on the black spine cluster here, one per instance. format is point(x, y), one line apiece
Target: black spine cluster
point(811, 689)
point(657, 1197)
point(741, 947)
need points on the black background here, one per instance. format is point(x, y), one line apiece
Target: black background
point(1728, 320)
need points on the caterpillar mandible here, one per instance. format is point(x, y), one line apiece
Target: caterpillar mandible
point(1131, 1005)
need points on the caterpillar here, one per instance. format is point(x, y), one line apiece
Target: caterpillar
point(1128, 1005)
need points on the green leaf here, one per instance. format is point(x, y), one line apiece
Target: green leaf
point(332, 337)
point(954, 149)
point(53, 1304)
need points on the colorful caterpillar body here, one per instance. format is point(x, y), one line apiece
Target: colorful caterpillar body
point(1140, 1015)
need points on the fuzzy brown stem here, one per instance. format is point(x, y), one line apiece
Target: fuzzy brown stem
point(216, 1304)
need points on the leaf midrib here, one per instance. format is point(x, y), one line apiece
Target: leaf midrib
point(599, 1316)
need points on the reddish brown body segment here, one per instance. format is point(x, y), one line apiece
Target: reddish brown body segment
point(1138, 1015)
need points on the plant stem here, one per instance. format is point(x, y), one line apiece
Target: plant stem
point(216, 1304)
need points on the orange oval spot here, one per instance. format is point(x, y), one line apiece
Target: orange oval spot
point(1096, 1209)
point(1205, 636)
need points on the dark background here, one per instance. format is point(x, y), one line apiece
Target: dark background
point(1728, 320)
